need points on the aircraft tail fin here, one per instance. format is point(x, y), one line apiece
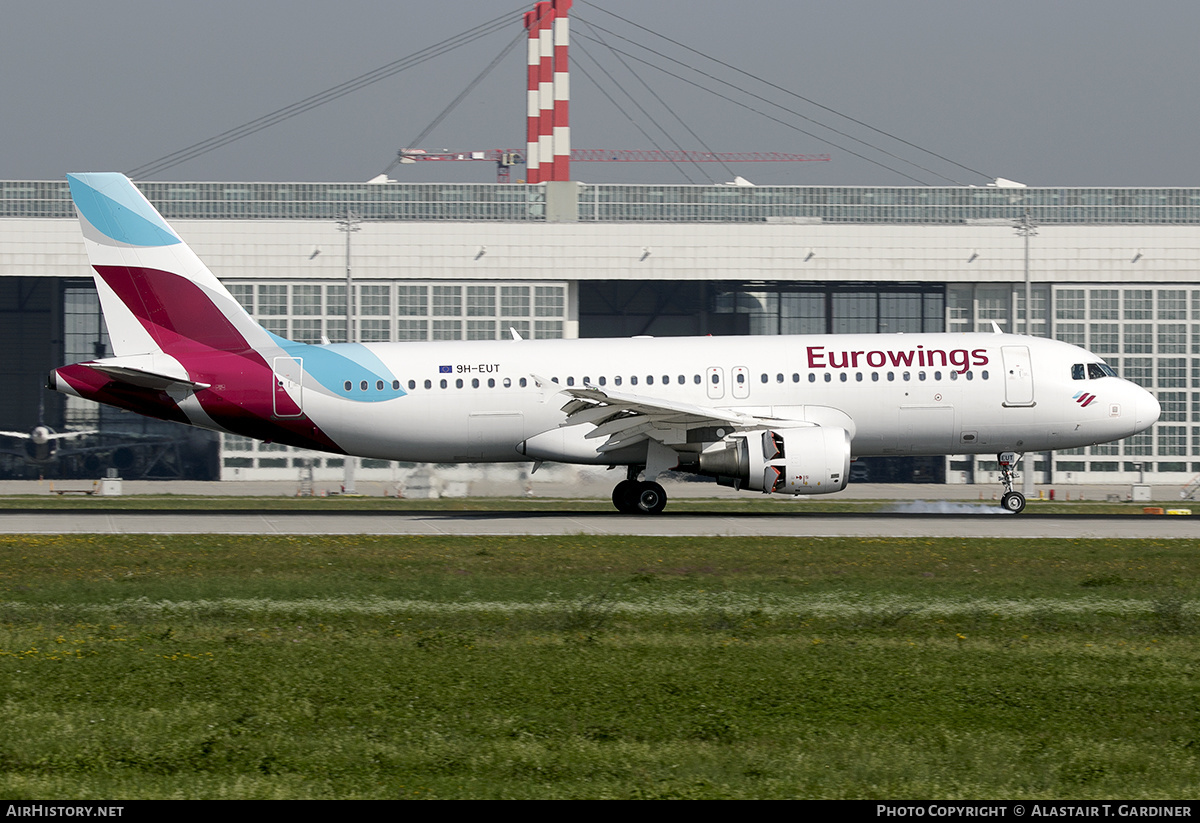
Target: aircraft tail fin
point(156, 294)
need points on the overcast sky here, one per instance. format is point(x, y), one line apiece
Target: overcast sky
point(1046, 92)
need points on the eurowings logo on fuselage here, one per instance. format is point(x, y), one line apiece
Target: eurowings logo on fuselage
point(959, 359)
point(1084, 399)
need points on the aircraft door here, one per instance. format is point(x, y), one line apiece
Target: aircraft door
point(1018, 376)
point(740, 377)
point(714, 379)
point(287, 386)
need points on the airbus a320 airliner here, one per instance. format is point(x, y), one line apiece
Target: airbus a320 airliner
point(768, 414)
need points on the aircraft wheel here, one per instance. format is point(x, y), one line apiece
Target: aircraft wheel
point(651, 498)
point(625, 495)
point(1013, 502)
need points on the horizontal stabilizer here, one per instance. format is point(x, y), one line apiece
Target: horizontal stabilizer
point(142, 372)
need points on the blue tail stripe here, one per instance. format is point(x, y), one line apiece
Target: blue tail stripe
point(115, 208)
point(334, 366)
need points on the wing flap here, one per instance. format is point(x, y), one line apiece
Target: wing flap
point(626, 419)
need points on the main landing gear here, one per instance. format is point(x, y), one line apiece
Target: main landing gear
point(633, 496)
point(1012, 500)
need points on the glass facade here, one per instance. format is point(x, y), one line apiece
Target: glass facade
point(833, 309)
point(621, 203)
point(385, 311)
point(1143, 334)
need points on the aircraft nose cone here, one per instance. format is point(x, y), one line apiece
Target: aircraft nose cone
point(1146, 410)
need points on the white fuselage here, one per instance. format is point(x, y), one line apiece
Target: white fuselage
point(911, 394)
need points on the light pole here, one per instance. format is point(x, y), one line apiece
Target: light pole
point(1025, 228)
point(349, 226)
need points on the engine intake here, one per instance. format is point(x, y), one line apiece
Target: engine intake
point(809, 460)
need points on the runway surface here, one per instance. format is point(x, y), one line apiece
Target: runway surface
point(970, 521)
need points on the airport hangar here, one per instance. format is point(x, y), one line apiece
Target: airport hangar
point(1115, 270)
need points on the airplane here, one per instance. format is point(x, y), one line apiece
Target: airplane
point(783, 414)
point(40, 444)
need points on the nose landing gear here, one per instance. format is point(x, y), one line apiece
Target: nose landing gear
point(1012, 500)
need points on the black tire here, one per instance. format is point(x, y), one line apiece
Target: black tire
point(651, 498)
point(624, 497)
point(1013, 502)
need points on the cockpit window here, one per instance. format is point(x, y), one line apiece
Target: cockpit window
point(1091, 371)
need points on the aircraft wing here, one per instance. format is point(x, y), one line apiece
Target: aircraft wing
point(45, 436)
point(625, 419)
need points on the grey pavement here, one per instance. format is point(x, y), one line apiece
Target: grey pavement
point(598, 487)
point(913, 519)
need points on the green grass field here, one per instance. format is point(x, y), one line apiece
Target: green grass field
point(294, 667)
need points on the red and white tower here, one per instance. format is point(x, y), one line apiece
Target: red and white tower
point(532, 107)
point(547, 133)
point(562, 94)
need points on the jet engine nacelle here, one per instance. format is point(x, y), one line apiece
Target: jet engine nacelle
point(809, 460)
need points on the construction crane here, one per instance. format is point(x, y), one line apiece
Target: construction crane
point(505, 159)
